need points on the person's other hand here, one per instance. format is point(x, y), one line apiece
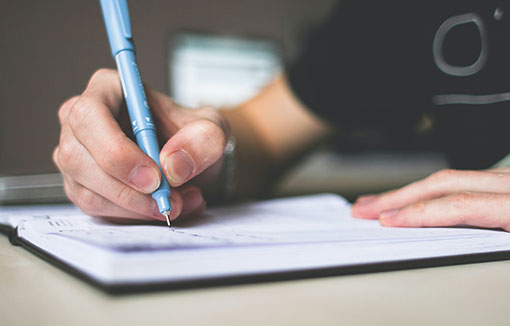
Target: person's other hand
point(446, 198)
point(105, 172)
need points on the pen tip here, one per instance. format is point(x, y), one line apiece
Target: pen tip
point(167, 215)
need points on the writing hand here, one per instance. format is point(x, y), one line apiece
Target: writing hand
point(107, 174)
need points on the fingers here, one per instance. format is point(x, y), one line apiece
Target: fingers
point(94, 204)
point(95, 191)
point(171, 117)
point(195, 147)
point(118, 200)
point(439, 184)
point(192, 200)
point(488, 210)
point(105, 86)
point(92, 123)
point(98, 193)
point(107, 174)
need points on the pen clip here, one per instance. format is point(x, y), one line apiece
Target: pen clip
point(123, 14)
point(118, 25)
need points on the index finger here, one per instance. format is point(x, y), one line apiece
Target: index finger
point(92, 122)
point(437, 185)
point(489, 210)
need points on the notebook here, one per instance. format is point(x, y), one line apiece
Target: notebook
point(277, 239)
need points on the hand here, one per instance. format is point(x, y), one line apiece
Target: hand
point(446, 198)
point(105, 172)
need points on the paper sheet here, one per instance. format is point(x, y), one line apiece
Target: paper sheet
point(323, 218)
point(14, 215)
point(279, 235)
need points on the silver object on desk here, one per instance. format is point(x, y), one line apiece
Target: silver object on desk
point(32, 189)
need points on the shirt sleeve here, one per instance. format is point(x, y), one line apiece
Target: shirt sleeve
point(370, 71)
point(359, 68)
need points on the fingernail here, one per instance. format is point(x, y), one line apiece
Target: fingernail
point(156, 213)
point(191, 200)
point(144, 178)
point(178, 167)
point(176, 203)
point(389, 213)
point(365, 200)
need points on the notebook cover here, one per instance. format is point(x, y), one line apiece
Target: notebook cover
point(118, 288)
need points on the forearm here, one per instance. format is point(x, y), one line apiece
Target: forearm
point(271, 130)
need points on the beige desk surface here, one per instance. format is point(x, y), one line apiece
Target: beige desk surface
point(33, 292)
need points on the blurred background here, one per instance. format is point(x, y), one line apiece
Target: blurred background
point(49, 49)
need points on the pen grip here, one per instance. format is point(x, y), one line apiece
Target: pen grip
point(133, 90)
point(138, 107)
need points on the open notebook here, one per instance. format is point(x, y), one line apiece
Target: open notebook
point(270, 240)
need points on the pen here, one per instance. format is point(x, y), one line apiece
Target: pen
point(118, 28)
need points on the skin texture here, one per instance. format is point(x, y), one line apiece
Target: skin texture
point(446, 198)
point(107, 175)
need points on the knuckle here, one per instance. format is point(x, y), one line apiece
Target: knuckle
point(461, 200)
point(90, 202)
point(66, 154)
point(443, 175)
point(122, 196)
point(208, 113)
point(54, 157)
point(419, 208)
point(64, 109)
point(79, 111)
point(216, 117)
point(214, 136)
point(102, 73)
point(115, 156)
point(70, 193)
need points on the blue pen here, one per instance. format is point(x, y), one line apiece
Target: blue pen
point(118, 28)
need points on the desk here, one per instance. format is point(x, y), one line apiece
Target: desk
point(34, 292)
point(356, 174)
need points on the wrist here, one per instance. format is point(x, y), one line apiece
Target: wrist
point(220, 187)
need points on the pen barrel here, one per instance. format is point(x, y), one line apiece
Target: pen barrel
point(138, 109)
point(118, 25)
point(134, 93)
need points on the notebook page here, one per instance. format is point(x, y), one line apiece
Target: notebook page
point(279, 235)
point(14, 215)
point(320, 218)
